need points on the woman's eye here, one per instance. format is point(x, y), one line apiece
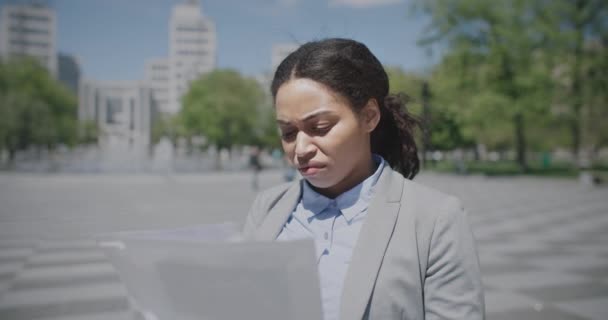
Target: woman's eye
point(288, 135)
point(322, 129)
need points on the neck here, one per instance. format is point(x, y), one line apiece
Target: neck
point(360, 173)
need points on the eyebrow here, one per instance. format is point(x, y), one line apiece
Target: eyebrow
point(309, 116)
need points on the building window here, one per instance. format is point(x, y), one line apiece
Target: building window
point(193, 41)
point(132, 114)
point(23, 16)
point(21, 29)
point(192, 28)
point(159, 67)
point(17, 42)
point(192, 52)
point(113, 109)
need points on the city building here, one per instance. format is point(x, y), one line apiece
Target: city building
point(124, 110)
point(156, 76)
point(69, 71)
point(121, 109)
point(192, 49)
point(29, 30)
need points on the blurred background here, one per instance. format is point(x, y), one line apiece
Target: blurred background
point(122, 115)
point(515, 87)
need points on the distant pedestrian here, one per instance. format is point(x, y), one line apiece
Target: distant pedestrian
point(256, 166)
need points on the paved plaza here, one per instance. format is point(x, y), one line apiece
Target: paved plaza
point(543, 243)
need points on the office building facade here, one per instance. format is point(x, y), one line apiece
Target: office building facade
point(29, 30)
point(192, 49)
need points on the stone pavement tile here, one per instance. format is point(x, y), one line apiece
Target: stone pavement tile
point(60, 302)
point(591, 249)
point(514, 246)
point(567, 292)
point(66, 276)
point(567, 262)
point(548, 252)
point(546, 313)
point(12, 243)
point(68, 245)
point(499, 301)
point(554, 237)
point(593, 308)
point(489, 240)
point(8, 255)
point(116, 315)
point(50, 259)
point(531, 279)
point(8, 272)
point(493, 258)
point(505, 267)
point(578, 239)
point(597, 272)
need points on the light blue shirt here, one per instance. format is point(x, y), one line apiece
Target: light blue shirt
point(334, 224)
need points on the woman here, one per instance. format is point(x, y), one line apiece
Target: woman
point(388, 248)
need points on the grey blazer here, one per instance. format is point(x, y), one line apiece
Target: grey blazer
point(415, 257)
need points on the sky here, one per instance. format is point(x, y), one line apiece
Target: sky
point(113, 38)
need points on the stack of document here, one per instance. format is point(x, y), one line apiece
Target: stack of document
point(187, 274)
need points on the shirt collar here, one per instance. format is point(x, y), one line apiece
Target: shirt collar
point(351, 202)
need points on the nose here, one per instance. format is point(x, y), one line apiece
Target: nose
point(305, 148)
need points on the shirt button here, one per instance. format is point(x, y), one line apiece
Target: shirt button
point(326, 235)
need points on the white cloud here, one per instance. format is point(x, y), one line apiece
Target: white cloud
point(362, 3)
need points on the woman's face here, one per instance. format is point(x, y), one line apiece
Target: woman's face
point(321, 134)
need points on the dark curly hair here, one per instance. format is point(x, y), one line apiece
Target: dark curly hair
point(350, 69)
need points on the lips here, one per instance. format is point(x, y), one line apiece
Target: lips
point(310, 169)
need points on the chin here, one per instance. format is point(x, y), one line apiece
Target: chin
point(321, 182)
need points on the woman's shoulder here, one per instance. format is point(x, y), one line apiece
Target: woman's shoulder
point(268, 198)
point(273, 193)
point(426, 201)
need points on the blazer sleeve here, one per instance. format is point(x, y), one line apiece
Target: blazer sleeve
point(250, 221)
point(453, 287)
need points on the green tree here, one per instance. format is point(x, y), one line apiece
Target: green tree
point(222, 106)
point(577, 33)
point(89, 132)
point(444, 131)
point(163, 125)
point(497, 63)
point(268, 132)
point(36, 110)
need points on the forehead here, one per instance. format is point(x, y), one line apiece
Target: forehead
point(298, 98)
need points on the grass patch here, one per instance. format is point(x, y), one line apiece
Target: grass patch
point(505, 168)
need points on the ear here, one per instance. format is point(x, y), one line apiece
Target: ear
point(370, 115)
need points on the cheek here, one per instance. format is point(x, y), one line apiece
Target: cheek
point(346, 142)
point(289, 149)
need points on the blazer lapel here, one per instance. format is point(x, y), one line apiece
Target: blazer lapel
point(278, 215)
point(371, 245)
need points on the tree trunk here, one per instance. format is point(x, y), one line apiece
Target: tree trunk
point(11, 156)
point(518, 119)
point(577, 94)
point(520, 141)
point(426, 122)
point(218, 158)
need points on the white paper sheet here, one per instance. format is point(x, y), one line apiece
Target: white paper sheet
point(187, 280)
